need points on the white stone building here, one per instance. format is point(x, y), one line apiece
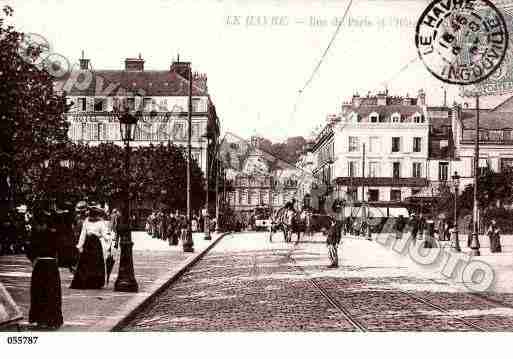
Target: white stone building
point(161, 96)
point(381, 148)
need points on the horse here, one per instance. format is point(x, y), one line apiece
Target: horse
point(289, 221)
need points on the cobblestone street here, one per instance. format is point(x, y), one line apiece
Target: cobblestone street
point(247, 283)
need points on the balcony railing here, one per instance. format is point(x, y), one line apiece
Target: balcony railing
point(382, 181)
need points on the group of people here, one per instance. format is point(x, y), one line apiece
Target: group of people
point(14, 228)
point(168, 226)
point(91, 234)
point(416, 228)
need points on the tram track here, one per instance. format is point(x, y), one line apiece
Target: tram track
point(356, 322)
point(334, 302)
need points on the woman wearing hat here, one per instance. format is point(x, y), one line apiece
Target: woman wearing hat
point(94, 237)
point(45, 283)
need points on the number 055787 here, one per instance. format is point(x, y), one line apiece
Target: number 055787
point(22, 340)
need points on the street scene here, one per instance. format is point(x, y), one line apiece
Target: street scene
point(341, 166)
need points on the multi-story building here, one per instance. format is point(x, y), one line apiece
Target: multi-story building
point(495, 139)
point(381, 146)
point(387, 151)
point(262, 180)
point(307, 183)
point(160, 96)
point(323, 171)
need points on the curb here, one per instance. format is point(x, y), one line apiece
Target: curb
point(121, 317)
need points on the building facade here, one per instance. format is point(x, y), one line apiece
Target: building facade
point(160, 96)
point(381, 148)
point(262, 180)
point(495, 139)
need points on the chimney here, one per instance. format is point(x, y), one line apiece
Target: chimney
point(421, 98)
point(181, 68)
point(356, 100)
point(132, 64)
point(84, 63)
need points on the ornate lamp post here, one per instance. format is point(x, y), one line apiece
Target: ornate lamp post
point(188, 244)
point(455, 243)
point(126, 279)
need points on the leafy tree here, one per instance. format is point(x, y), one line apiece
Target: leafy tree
point(157, 175)
point(32, 124)
point(494, 190)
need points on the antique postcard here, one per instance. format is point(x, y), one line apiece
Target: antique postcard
point(172, 168)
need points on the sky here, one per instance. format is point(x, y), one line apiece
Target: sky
point(255, 66)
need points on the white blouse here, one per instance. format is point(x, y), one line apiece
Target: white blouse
point(98, 228)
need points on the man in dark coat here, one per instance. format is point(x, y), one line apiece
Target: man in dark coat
point(332, 241)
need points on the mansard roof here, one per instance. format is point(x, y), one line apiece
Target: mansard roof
point(488, 119)
point(385, 111)
point(120, 82)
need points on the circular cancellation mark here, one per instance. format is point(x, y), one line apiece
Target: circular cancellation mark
point(461, 42)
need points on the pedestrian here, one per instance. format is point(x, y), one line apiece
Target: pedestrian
point(94, 240)
point(470, 229)
point(400, 223)
point(194, 224)
point(332, 241)
point(495, 238)
point(45, 283)
point(413, 225)
point(66, 248)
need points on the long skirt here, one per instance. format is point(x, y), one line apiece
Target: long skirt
point(45, 294)
point(67, 252)
point(495, 244)
point(90, 273)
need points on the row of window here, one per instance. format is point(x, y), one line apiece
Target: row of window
point(375, 169)
point(101, 104)
point(373, 195)
point(102, 131)
point(257, 197)
point(489, 135)
point(396, 117)
point(375, 144)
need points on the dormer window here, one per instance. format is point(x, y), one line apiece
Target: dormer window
point(374, 117)
point(396, 117)
point(417, 118)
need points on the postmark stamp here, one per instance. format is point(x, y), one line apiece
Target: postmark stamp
point(462, 42)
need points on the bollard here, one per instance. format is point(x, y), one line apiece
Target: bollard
point(455, 243)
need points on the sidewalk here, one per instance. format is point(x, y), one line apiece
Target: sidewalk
point(155, 262)
point(500, 263)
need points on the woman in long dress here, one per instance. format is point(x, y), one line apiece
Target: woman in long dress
point(94, 240)
point(45, 283)
point(495, 239)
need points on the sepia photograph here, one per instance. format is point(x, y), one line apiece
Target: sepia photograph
point(322, 170)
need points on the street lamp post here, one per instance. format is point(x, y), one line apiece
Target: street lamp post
point(455, 240)
point(474, 242)
point(188, 244)
point(206, 219)
point(218, 170)
point(367, 215)
point(125, 281)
